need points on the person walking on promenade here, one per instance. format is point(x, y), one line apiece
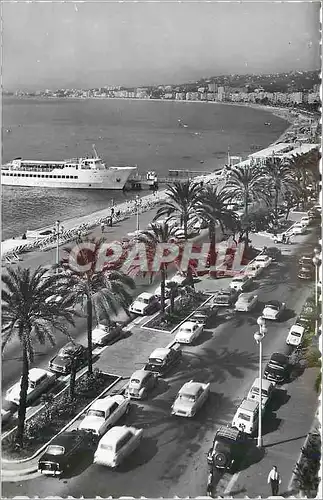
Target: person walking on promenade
point(102, 227)
point(274, 479)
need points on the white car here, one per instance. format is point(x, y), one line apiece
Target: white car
point(267, 389)
point(145, 303)
point(103, 334)
point(178, 278)
point(295, 335)
point(190, 398)
point(116, 445)
point(39, 381)
point(246, 416)
point(246, 302)
point(253, 270)
point(273, 310)
point(298, 228)
point(188, 332)
point(104, 413)
point(240, 283)
point(263, 261)
point(305, 221)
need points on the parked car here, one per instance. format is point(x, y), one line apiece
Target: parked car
point(246, 302)
point(140, 383)
point(253, 271)
point(179, 279)
point(62, 362)
point(162, 359)
point(273, 310)
point(62, 453)
point(267, 389)
point(305, 221)
point(273, 252)
point(116, 445)
point(306, 273)
point(246, 416)
point(298, 228)
point(104, 334)
point(263, 261)
point(104, 413)
point(39, 381)
point(188, 332)
point(241, 283)
point(228, 448)
point(205, 315)
point(284, 238)
point(277, 368)
point(306, 260)
point(225, 298)
point(190, 398)
point(295, 335)
point(145, 303)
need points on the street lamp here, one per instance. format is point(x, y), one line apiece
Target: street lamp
point(259, 336)
point(316, 261)
point(137, 201)
point(57, 231)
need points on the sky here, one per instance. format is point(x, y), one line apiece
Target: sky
point(92, 44)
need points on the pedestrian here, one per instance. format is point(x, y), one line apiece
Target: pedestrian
point(274, 480)
point(283, 238)
point(102, 227)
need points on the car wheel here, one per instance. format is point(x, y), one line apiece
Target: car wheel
point(219, 460)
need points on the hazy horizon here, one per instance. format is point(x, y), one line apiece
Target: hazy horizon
point(84, 45)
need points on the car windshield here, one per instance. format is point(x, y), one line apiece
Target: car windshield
point(95, 413)
point(143, 300)
point(244, 416)
point(296, 334)
point(156, 361)
point(273, 306)
point(187, 397)
point(276, 365)
point(67, 351)
point(135, 381)
point(255, 390)
point(107, 447)
point(55, 450)
point(185, 329)
point(237, 280)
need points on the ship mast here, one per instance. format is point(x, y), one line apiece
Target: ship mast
point(94, 151)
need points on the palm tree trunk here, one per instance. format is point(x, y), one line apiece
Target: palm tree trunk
point(212, 238)
point(89, 331)
point(276, 205)
point(246, 217)
point(72, 379)
point(162, 287)
point(23, 396)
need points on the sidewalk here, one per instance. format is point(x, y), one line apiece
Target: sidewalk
point(284, 433)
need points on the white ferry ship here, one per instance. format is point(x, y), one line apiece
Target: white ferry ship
point(76, 173)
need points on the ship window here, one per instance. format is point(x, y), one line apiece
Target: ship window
point(63, 176)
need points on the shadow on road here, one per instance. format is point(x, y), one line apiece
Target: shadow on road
point(206, 335)
point(146, 451)
point(270, 423)
point(279, 398)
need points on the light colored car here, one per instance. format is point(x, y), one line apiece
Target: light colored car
point(295, 335)
point(305, 221)
point(104, 413)
point(267, 389)
point(246, 416)
point(190, 398)
point(5, 416)
point(188, 332)
point(39, 381)
point(263, 261)
point(141, 381)
point(116, 445)
point(178, 278)
point(145, 303)
point(273, 310)
point(246, 302)
point(298, 228)
point(104, 334)
point(253, 271)
point(240, 283)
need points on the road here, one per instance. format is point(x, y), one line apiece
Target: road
point(172, 457)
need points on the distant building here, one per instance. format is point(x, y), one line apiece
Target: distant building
point(192, 96)
point(180, 96)
point(211, 96)
point(296, 97)
point(201, 90)
point(313, 97)
point(212, 87)
point(168, 95)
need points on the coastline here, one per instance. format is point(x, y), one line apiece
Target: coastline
point(151, 200)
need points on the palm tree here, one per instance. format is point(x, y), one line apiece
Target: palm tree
point(100, 291)
point(246, 183)
point(306, 171)
point(159, 234)
point(30, 313)
point(182, 200)
point(281, 180)
point(213, 208)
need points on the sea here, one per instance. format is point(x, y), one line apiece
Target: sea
point(149, 134)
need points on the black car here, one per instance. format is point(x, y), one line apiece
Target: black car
point(162, 359)
point(225, 298)
point(273, 252)
point(229, 446)
point(63, 452)
point(306, 273)
point(62, 362)
point(277, 368)
point(205, 314)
